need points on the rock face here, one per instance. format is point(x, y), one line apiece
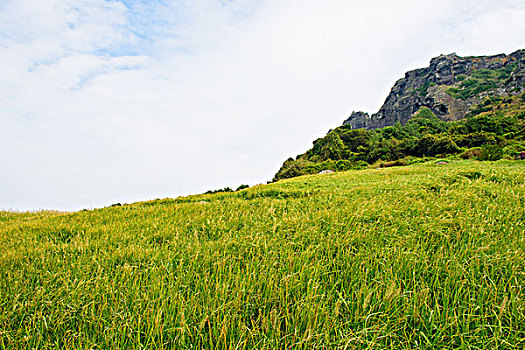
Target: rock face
point(449, 87)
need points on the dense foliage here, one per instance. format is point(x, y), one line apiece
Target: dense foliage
point(493, 130)
point(420, 257)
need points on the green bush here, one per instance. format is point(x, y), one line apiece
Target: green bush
point(329, 147)
point(353, 139)
point(399, 162)
point(491, 152)
point(476, 139)
point(472, 153)
point(431, 145)
point(242, 187)
point(342, 165)
point(225, 189)
point(425, 122)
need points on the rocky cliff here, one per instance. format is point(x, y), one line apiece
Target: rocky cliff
point(458, 107)
point(449, 87)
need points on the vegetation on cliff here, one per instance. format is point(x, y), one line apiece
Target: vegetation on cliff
point(482, 80)
point(494, 129)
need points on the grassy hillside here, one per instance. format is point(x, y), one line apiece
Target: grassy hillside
point(425, 256)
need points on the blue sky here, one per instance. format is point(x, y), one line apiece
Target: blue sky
point(119, 101)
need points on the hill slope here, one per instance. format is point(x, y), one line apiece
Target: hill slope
point(424, 256)
point(454, 107)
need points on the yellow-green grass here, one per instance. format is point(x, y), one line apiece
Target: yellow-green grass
point(426, 256)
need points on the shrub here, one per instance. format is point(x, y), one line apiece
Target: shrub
point(426, 122)
point(495, 123)
point(225, 189)
point(399, 162)
point(431, 145)
point(476, 139)
point(478, 109)
point(472, 153)
point(329, 147)
point(291, 169)
point(353, 139)
point(491, 152)
point(342, 165)
point(242, 187)
point(361, 165)
point(426, 113)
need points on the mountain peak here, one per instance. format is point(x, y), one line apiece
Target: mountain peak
point(449, 87)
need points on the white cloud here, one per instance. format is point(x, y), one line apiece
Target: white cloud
point(109, 101)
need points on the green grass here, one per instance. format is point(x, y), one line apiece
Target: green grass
point(426, 256)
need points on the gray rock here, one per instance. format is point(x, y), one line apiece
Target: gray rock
point(426, 87)
point(358, 120)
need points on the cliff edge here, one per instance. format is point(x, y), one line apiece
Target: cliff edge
point(449, 87)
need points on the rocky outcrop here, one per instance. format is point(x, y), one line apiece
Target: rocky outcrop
point(447, 87)
point(358, 120)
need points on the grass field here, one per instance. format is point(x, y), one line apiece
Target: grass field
point(426, 256)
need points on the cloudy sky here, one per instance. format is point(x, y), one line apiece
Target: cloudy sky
point(126, 100)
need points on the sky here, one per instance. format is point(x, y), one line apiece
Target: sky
point(117, 101)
